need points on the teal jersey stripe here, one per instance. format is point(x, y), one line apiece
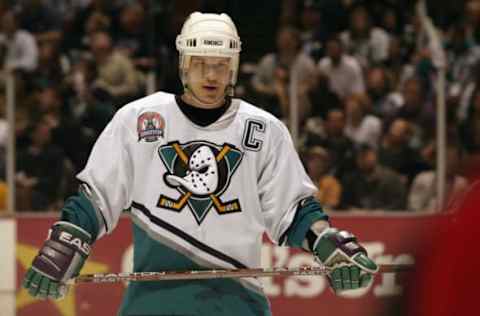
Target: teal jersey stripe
point(183, 235)
point(308, 212)
point(79, 210)
point(194, 297)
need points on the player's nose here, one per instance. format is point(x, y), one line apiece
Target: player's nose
point(210, 72)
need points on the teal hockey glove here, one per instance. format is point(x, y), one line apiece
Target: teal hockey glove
point(351, 268)
point(60, 259)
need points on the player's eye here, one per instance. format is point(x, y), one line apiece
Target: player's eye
point(198, 64)
point(222, 68)
point(203, 170)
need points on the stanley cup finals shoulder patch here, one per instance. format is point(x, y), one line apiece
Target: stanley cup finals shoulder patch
point(150, 126)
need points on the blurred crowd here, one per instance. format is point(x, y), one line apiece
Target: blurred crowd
point(363, 71)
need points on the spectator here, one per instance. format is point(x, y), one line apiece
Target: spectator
point(49, 106)
point(133, 38)
point(371, 185)
point(314, 34)
point(423, 193)
point(52, 65)
point(329, 188)
point(391, 22)
point(83, 115)
point(398, 62)
point(274, 72)
point(66, 8)
point(395, 152)
point(466, 93)
point(472, 18)
point(361, 127)
point(340, 148)
point(462, 55)
point(19, 49)
point(46, 100)
point(367, 43)
point(60, 9)
point(96, 22)
point(470, 128)
point(22, 123)
point(379, 89)
point(39, 170)
point(75, 39)
point(41, 19)
point(414, 108)
point(334, 14)
point(117, 77)
point(322, 97)
point(414, 35)
point(343, 72)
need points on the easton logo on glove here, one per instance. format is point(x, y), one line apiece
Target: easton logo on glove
point(68, 238)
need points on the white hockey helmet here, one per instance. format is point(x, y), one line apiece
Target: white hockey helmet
point(207, 34)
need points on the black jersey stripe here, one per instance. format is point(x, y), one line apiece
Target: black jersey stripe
point(194, 242)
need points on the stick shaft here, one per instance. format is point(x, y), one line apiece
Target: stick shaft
point(218, 274)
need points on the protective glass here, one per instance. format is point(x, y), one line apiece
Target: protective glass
point(204, 67)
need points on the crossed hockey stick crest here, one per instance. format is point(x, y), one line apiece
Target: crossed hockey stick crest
point(201, 172)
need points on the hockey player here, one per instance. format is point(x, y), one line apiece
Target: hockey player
point(203, 176)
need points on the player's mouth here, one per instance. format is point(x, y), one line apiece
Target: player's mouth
point(210, 88)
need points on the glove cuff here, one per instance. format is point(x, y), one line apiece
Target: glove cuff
point(331, 240)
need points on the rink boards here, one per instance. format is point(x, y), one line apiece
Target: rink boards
point(389, 238)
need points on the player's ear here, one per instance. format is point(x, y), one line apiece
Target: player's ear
point(230, 90)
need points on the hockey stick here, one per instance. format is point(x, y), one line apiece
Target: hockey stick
point(218, 274)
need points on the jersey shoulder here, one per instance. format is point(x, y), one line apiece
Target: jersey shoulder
point(156, 102)
point(248, 111)
point(150, 107)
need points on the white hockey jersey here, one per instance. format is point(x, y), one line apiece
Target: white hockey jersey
point(208, 192)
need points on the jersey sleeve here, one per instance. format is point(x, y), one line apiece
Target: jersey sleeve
point(108, 176)
point(283, 183)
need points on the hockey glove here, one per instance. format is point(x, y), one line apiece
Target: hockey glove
point(60, 259)
point(350, 267)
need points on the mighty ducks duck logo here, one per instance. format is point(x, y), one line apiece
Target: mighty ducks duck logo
point(201, 172)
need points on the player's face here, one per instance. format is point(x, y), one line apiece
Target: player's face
point(208, 78)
